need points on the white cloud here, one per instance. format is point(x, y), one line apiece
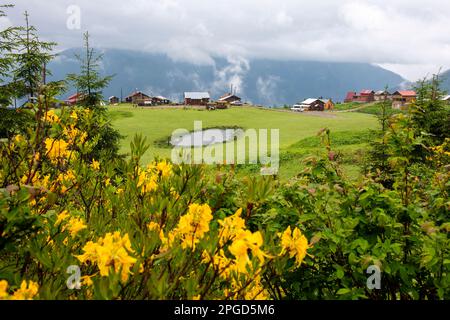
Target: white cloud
point(407, 36)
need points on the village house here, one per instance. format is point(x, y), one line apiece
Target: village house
point(230, 98)
point(160, 100)
point(74, 99)
point(113, 100)
point(196, 98)
point(328, 104)
point(365, 96)
point(446, 99)
point(311, 105)
point(403, 98)
point(138, 98)
point(382, 95)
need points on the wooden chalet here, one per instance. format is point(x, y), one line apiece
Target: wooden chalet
point(403, 98)
point(196, 98)
point(138, 98)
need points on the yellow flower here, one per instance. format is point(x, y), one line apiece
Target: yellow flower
point(111, 251)
point(74, 226)
point(74, 115)
point(3, 289)
point(295, 244)
point(245, 241)
point(164, 169)
point(147, 181)
point(26, 291)
point(95, 165)
point(192, 226)
point(153, 226)
point(61, 217)
point(51, 117)
point(56, 148)
point(231, 226)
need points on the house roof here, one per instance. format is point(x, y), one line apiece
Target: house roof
point(196, 95)
point(112, 97)
point(381, 92)
point(446, 98)
point(350, 95)
point(228, 95)
point(365, 92)
point(136, 93)
point(309, 101)
point(406, 93)
point(161, 98)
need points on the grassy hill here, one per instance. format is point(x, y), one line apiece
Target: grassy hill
point(297, 130)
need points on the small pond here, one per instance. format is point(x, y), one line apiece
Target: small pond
point(205, 138)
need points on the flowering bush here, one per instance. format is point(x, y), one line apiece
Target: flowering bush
point(158, 232)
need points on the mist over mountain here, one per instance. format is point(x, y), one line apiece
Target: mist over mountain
point(261, 81)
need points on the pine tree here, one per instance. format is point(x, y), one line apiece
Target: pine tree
point(89, 82)
point(30, 58)
point(7, 45)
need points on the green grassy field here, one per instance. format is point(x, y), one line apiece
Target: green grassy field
point(297, 130)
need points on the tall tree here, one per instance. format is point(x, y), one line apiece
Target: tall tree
point(89, 82)
point(7, 45)
point(31, 58)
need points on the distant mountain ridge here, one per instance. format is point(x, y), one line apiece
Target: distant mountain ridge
point(262, 81)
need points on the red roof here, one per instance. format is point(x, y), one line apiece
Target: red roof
point(407, 93)
point(74, 98)
point(366, 92)
point(350, 95)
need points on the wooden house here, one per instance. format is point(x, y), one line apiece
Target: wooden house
point(160, 100)
point(382, 95)
point(312, 104)
point(403, 98)
point(230, 98)
point(138, 98)
point(328, 104)
point(196, 98)
point(74, 99)
point(113, 100)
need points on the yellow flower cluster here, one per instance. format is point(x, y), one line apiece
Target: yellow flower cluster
point(111, 251)
point(51, 117)
point(193, 226)
point(27, 291)
point(242, 242)
point(147, 181)
point(74, 135)
point(71, 224)
point(56, 149)
point(295, 244)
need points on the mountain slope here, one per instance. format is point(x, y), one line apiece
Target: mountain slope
point(265, 82)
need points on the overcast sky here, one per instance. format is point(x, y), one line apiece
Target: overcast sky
point(411, 37)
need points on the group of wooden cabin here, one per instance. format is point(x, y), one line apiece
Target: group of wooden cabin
point(190, 98)
point(399, 99)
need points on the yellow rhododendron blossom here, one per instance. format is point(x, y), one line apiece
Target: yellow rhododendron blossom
point(61, 217)
point(95, 165)
point(295, 244)
point(147, 181)
point(26, 291)
point(51, 117)
point(192, 226)
point(74, 115)
point(231, 227)
point(164, 169)
point(74, 225)
point(153, 226)
point(56, 148)
point(3, 289)
point(110, 251)
point(245, 241)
